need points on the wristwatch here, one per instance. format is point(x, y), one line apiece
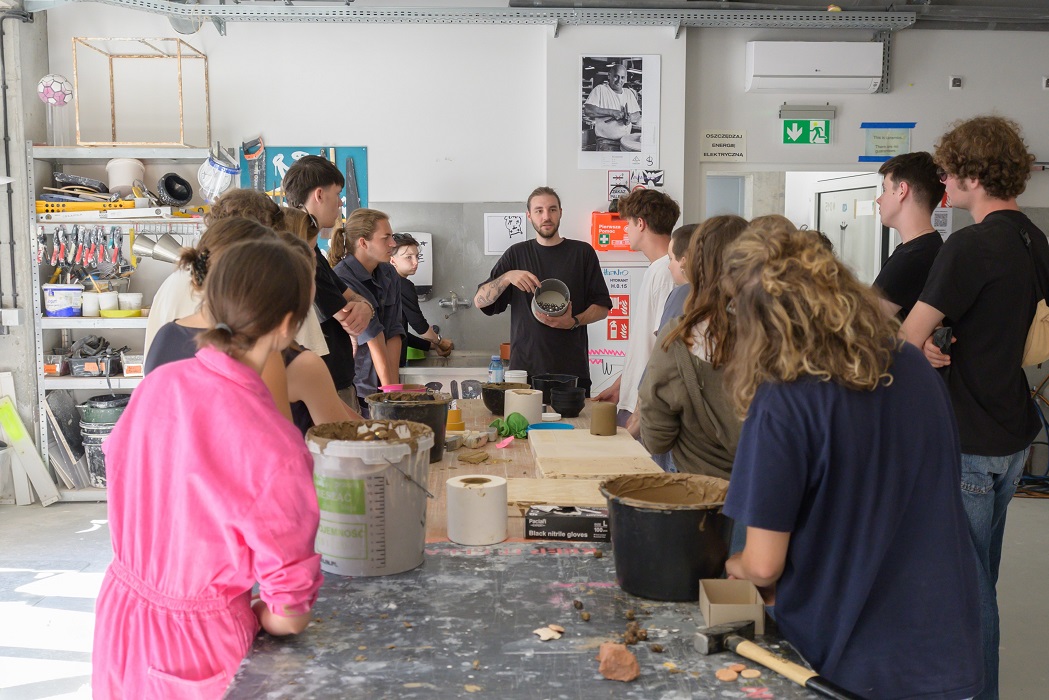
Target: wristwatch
point(575, 323)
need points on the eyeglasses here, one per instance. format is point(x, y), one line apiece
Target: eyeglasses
point(942, 174)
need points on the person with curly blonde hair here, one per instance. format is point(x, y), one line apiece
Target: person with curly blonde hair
point(983, 289)
point(846, 477)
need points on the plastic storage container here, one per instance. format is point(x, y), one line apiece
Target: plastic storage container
point(63, 299)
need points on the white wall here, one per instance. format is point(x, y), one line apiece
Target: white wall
point(450, 113)
point(1001, 71)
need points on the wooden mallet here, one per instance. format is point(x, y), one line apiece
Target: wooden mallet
point(736, 636)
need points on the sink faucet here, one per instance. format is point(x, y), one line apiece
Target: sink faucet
point(453, 302)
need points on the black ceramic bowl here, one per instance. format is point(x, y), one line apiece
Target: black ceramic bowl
point(493, 395)
point(568, 401)
point(546, 382)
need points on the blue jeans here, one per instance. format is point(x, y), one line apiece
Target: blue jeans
point(988, 484)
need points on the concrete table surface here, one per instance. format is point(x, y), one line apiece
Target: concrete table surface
point(460, 626)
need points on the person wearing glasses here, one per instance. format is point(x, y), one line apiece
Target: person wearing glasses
point(983, 286)
point(313, 184)
point(911, 190)
point(405, 261)
point(614, 109)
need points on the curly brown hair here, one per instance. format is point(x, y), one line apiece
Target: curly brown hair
point(215, 241)
point(246, 204)
point(657, 209)
point(800, 312)
point(989, 149)
point(706, 301)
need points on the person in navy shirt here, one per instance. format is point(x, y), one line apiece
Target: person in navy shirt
point(846, 477)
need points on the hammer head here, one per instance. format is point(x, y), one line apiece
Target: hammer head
point(710, 640)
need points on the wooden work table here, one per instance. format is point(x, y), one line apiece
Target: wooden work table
point(460, 625)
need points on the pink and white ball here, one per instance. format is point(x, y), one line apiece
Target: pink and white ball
point(54, 89)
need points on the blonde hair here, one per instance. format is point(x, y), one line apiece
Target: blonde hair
point(361, 223)
point(299, 223)
point(800, 312)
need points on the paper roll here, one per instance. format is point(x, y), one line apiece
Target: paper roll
point(476, 509)
point(527, 402)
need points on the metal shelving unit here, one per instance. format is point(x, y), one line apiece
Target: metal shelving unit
point(79, 156)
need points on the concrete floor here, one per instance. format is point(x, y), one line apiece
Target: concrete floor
point(52, 561)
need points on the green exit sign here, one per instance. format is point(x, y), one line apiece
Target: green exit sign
point(806, 131)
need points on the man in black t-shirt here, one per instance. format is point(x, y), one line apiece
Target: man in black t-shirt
point(540, 343)
point(911, 189)
point(983, 286)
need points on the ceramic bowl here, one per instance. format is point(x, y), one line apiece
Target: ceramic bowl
point(568, 401)
point(494, 394)
point(546, 382)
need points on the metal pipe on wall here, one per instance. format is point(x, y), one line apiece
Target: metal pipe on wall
point(23, 17)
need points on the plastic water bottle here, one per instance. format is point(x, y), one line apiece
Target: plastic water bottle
point(495, 370)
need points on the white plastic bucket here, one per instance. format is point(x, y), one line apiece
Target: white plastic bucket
point(129, 301)
point(372, 497)
point(108, 301)
point(63, 299)
point(122, 173)
point(90, 303)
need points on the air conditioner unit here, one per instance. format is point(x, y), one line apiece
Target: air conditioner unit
point(813, 66)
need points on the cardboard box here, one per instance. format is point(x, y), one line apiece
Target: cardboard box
point(571, 524)
point(731, 600)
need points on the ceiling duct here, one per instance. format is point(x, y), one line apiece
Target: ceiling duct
point(185, 25)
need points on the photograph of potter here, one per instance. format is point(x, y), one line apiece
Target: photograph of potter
point(653, 351)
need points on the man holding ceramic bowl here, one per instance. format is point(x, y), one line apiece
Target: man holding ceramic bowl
point(548, 329)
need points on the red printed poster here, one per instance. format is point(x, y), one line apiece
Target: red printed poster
point(619, 329)
point(620, 305)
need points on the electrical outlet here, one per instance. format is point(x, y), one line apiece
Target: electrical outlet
point(954, 82)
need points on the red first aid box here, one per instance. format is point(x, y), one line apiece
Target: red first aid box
point(608, 231)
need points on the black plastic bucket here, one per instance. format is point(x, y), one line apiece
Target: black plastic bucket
point(429, 409)
point(667, 533)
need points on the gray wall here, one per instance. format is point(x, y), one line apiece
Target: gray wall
point(459, 265)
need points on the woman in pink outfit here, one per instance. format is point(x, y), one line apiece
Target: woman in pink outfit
point(210, 490)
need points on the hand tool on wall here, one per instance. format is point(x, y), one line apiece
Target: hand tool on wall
point(737, 636)
point(80, 235)
point(255, 154)
point(41, 244)
point(353, 195)
point(94, 246)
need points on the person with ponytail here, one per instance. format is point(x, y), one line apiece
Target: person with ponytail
point(359, 254)
point(210, 492)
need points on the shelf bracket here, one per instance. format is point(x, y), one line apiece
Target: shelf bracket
point(555, 28)
point(676, 26)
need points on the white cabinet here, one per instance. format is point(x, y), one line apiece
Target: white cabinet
point(61, 332)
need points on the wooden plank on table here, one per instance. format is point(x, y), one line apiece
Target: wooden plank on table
point(25, 452)
point(521, 494)
point(23, 494)
point(579, 455)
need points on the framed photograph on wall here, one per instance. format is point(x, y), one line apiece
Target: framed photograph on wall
point(619, 112)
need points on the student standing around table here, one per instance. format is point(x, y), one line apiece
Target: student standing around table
point(221, 498)
point(983, 286)
point(544, 344)
point(650, 217)
point(307, 384)
point(675, 304)
point(405, 261)
point(846, 477)
point(360, 255)
point(313, 184)
point(911, 190)
point(685, 410)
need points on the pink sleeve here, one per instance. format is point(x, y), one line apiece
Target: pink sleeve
point(282, 537)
